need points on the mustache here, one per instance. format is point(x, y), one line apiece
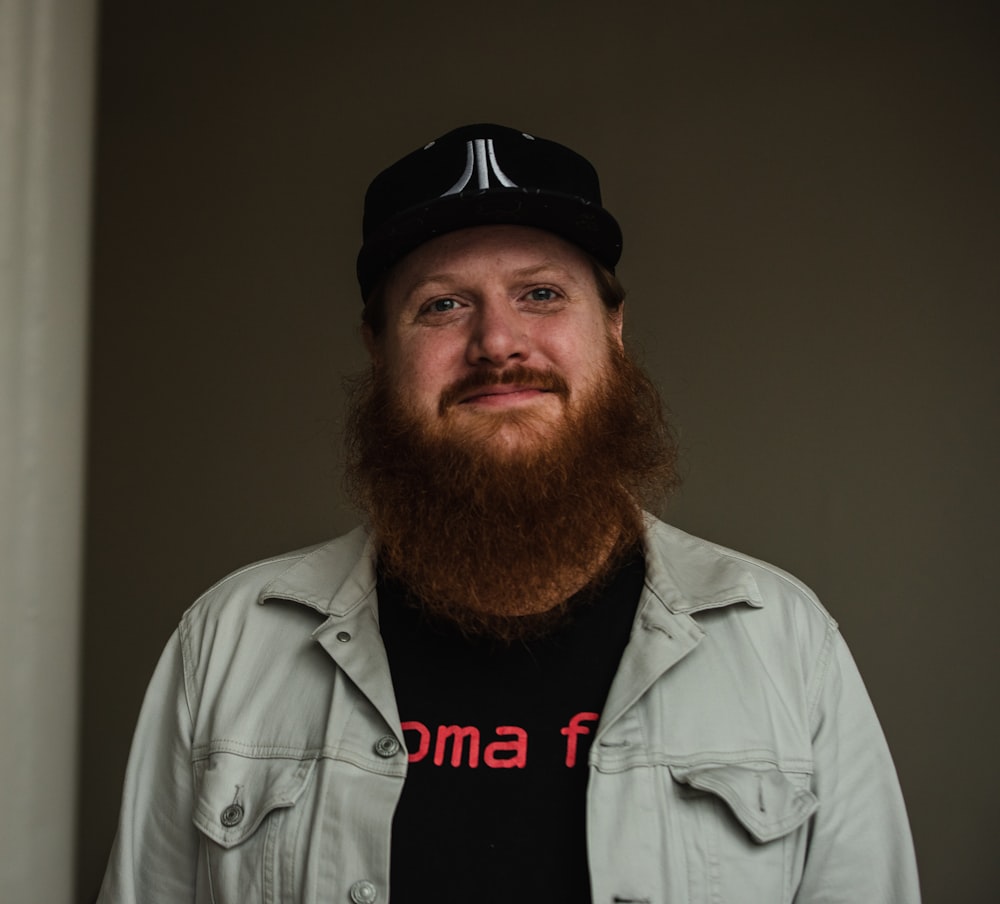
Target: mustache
point(547, 380)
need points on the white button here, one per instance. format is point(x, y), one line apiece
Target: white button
point(363, 892)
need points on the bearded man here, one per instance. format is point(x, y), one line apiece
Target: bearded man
point(511, 684)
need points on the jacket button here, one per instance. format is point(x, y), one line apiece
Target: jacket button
point(363, 892)
point(343, 636)
point(387, 746)
point(232, 816)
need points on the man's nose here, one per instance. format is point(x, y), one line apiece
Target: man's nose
point(498, 335)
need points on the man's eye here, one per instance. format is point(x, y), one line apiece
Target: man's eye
point(441, 305)
point(541, 294)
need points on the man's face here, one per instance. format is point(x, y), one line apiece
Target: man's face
point(494, 332)
point(504, 443)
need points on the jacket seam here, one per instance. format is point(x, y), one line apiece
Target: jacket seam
point(187, 673)
point(251, 752)
point(822, 667)
point(654, 759)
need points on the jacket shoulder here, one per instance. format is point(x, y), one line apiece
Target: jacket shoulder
point(706, 575)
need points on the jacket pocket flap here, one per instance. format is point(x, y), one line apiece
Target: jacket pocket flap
point(767, 803)
point(234, 793)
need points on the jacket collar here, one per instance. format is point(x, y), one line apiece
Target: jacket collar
point(334, 578)
point(338, 580)
point(689, 575)
point(684, 576)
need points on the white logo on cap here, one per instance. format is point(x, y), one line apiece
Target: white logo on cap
point(481, 160)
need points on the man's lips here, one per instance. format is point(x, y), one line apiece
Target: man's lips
point(505, 394)
point(511, 387)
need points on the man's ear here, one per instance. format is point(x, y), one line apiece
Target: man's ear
point(616, 321)
point(371, 343)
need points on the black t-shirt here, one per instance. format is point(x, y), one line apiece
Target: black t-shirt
point(493, 807)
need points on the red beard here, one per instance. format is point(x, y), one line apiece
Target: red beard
point(500, 540)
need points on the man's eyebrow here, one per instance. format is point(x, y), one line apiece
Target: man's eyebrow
point(449, 280)
point(443, 278)
point(546, 266)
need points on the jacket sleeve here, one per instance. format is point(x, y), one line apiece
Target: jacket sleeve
point(860, 847)
point(154, 856)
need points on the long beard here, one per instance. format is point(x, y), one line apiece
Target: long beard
point(502, 540)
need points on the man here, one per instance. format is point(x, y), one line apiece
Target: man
point(512, 684)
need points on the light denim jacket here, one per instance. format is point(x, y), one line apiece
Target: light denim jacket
point(738, 757)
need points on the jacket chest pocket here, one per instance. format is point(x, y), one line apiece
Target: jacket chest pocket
point(248, 812)
point(743, 828)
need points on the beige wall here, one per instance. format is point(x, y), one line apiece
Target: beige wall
point(46, 92)
point(810, 205)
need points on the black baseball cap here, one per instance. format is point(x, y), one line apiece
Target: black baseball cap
point(475, 176)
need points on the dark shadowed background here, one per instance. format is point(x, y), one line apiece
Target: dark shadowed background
point(809, 195)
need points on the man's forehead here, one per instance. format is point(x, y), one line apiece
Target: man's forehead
point(517, 252)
